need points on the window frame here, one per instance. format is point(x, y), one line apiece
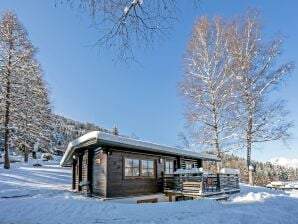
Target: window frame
point(168, 167)
point(189, 164)
point(148, 168)
point(131, 167)
point(140, 168)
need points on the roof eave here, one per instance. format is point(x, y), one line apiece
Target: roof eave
point(97, 137)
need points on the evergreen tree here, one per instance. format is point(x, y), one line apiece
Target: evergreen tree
point(15, 50)
point(115, 130)
point(34, 120)
point(24, 97)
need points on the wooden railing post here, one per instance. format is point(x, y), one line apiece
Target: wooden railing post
point(218, 182)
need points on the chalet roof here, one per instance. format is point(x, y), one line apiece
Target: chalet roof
point(101, 138)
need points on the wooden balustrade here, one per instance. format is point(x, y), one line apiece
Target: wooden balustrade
point(199, 183)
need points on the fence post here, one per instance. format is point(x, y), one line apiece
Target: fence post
point(218, 181)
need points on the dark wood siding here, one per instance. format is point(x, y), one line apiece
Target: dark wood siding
point(119, 186)
point(85, 170)
point(74, 175)
point(79, 173)
point(104, 169)
point(99, 174)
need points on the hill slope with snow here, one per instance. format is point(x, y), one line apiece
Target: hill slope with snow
point(41, 195)
point(289, 163)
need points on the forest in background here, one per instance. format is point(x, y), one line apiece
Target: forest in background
point(265, 172)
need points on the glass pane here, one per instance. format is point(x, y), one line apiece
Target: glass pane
point(144, 172)
point(150, 172)
point(136, 172)
point(128, 172)
point(171, 164)
point(188, 166)
point(144, 164)
point(166, 171)
point(150, 164)
point(128, 162)
point(136, 163)
point(171, 171)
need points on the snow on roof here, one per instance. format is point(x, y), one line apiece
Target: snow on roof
point(116, 140)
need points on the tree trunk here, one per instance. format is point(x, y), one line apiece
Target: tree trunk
point(7, 113)
point(250, 177)
point(216, 134)
point(215, 128)
point(26, 154)
point(249, 143)
point(34, 155)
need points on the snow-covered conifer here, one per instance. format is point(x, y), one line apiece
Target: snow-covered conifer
point(23, 96)
point(15, 49)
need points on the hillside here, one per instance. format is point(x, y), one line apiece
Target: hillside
point(289, 163)
point(66, 130)
point(62, 130)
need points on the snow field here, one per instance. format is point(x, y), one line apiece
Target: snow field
point(30, 195)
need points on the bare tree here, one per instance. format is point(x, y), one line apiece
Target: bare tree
point(127, 24)
point(230, 74)
point(258, 74)
point(208, 87)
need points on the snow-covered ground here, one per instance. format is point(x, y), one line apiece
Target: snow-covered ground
point(31, 195)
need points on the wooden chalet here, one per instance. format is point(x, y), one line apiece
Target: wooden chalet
point(108, 166)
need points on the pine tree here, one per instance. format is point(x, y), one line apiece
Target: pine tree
point(34, 119)
point(115, 130)
point(15, 49)
point(24, 98)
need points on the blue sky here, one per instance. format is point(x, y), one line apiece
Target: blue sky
point(86, 85)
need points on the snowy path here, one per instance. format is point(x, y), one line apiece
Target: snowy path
point(48, 201)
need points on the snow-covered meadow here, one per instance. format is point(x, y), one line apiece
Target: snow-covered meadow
point(30, 195)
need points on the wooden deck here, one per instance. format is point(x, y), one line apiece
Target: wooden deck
point(200, 185)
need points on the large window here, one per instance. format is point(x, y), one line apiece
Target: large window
point(169, 167)
point(147, 168)
point(139, 168)
point(132, 167)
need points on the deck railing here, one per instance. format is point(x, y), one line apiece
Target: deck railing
point(199, 183)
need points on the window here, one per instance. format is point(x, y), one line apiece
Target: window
point(147, 168)
point(132, 167)
point(169, 167)
point(139, 168)
point(189, 165)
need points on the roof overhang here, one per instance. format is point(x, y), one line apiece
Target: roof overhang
point(97, 138)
